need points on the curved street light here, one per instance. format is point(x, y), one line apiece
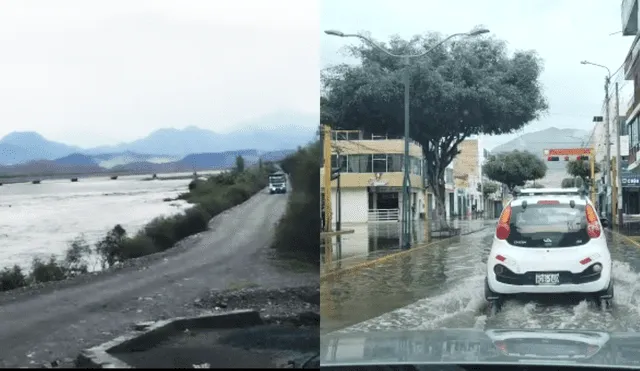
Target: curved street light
point(377, 46)
point(406, 182)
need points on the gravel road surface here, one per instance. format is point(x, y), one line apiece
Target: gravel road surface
point(56, 321)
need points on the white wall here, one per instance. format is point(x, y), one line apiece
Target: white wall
point(355, 205)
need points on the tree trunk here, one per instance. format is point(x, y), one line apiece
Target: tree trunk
point(439, 193)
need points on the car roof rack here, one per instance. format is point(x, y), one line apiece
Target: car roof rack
point(581, 191)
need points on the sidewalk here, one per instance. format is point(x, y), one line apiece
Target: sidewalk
point(372, 241)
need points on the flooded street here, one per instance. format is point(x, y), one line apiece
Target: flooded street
point(441, 286)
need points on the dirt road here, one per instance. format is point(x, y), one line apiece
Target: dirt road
point(58, 321)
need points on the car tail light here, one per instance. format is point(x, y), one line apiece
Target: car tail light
point(593, 226)
point(548, 202)
point(501, 346)
point(503, 229)
point(585, 261)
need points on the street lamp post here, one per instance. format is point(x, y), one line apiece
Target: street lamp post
point(607, 81)
point(406, 181)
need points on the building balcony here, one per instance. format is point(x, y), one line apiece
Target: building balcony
point(629, 10)
point(632, 162)
point(633, 107)
point(364, 180)
point(631, 61)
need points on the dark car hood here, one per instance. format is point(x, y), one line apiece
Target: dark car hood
point(451, 346)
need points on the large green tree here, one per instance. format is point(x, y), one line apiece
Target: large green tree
point(461, 88)
point(515, 168)
point(488, 188)
point(581, 168)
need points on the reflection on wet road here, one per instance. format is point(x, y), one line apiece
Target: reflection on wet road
point(441, 286)
point(370, 241)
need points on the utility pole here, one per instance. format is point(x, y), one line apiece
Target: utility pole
point(618, 209)
point(607, 160)
point(406, 179)
point(327, 178)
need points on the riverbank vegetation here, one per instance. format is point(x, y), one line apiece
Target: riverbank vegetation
point(210, 197)
point(298, 232)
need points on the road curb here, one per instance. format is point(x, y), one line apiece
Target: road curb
point(636, 243)
point(393, 255)
point(149, 334)
point(336, 233)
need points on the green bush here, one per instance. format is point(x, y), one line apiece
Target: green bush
point(298, 232)
point(109, 249)
point(48, 271)
point(136, 247)
point(12, 278)
point(75, 260)
point(161, 231)
point(194, 220)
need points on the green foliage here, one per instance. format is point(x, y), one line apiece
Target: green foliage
point(75, 260)
point(514, 168)
point(581, 169)
point(12, 278)
point(488, 188)
point(297, 233)
point(110, 247)
point(568, 183)
point(47, 271)
point(461, 88)
point(239, 164)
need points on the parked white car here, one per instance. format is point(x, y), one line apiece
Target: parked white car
point(549, 241)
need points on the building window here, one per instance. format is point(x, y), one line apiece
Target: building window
point(622, 125)
point(633, 132)
point(379, 163)
point(415, 166)
point(448, 175)
point(339, 161)
point(394, 163)
point(359, 164)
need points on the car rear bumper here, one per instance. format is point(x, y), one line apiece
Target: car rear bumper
point(598, 285)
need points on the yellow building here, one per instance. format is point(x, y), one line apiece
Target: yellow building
point(371, 177)
point(466, 174)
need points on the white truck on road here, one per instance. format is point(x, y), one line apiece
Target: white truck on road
point(277, 182)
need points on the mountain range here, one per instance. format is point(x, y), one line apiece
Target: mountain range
point(537, 142)
point(169, 149)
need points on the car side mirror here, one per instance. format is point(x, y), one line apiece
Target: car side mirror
point(604, 222)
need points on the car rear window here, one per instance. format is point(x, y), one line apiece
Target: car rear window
point(548, 226)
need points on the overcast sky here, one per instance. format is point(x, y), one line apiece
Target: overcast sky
point(564, 32)
point(104, 71)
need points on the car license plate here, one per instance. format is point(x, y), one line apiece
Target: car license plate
point(547, 278)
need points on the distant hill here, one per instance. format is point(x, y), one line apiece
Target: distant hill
point(221, 159)
point(83, 164)
point(21, 147)
point(280, 131)
point(269, 133)
point(76, 159)
point(538, 141)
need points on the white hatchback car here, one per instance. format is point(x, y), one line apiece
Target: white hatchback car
point(549, 241)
